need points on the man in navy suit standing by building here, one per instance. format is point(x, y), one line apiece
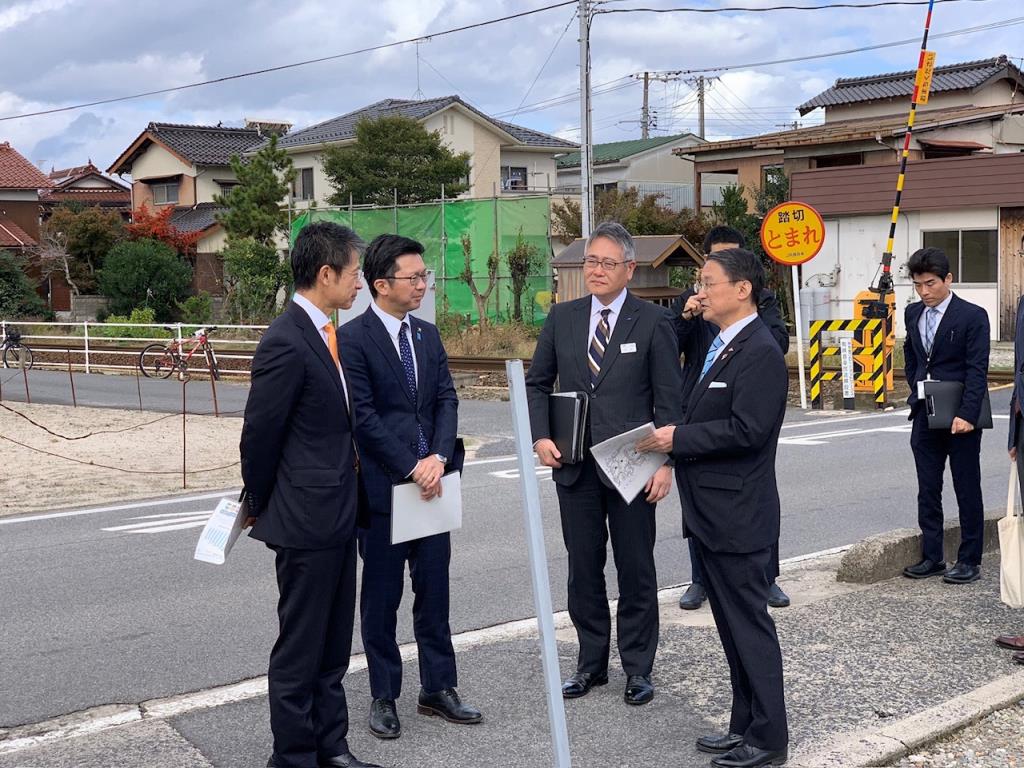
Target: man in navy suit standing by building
point(407, 419)
point(947, 340)
point(301, 473)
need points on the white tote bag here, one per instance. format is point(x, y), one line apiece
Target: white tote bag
point(1011, 548)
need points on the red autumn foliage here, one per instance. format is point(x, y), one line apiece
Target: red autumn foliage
point(156, 225)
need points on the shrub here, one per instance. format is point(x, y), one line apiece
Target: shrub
point(196, 310)
point(18, 297)
point(144, 273)
point(114, 326)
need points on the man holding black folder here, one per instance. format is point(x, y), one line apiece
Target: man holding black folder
point(947, 341)
point(406, 423)
point(620, 352)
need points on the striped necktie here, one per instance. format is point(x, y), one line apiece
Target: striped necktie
point(931, 320)
point(709, 358)
point(597, 346)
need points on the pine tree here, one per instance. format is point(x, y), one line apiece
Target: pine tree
point(254, 205)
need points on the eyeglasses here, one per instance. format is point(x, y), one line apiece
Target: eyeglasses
point(702, 287)
point(606, 264)
point(419, 277)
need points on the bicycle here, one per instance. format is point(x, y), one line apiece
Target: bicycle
point(159, 361)
point(15, 353)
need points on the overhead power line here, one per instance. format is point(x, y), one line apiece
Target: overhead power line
point(765, 9)
point(293, 65)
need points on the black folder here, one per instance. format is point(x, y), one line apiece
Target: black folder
point(942, 401)
point(567, 414)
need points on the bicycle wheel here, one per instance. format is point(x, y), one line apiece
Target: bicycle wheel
point(18, 356)
point(156, 362)
point(211, 359)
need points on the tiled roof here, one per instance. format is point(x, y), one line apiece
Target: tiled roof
point(13, 236)
point(967, 75)
point(619, 150)
point(344, 127)
point(67, 174)
point(88, 196)
point(18, 173)
point(197, 219)
point(206, 144)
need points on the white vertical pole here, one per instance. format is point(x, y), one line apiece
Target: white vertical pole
point(538, 562)
point(586, 184)
point(85, 326)
point(799, 336)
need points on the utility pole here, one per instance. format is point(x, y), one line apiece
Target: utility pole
point(645, 116)
point(700, 106)
point(647, 120)
point(586, 138)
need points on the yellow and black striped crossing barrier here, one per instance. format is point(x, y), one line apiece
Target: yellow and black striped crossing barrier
point(870, 336)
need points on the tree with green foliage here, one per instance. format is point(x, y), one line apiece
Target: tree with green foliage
point(254, 273)
point(85, 235)
point(481, 298)
point(254, 205)
point(392, 155)
point(144, 273)
point(18, 297)
point(523, 259)
point(639, 215)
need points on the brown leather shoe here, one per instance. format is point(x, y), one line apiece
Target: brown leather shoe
point(1018, 657)
point(1012, 642)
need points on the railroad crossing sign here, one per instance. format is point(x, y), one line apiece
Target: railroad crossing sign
point(792, 233)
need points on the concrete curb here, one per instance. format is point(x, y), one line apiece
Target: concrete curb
point(882, 557)
point(883, 745)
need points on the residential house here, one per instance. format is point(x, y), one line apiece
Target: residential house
point(87, 185)
point(504, 158)
point(974, 108)
point(186, 166)
point(651, 165)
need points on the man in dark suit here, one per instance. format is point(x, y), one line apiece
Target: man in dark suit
point(300, 469)
point(407, 418)
point(621, 351)
point(1015, 445)
point(725, 450)
point(947, 340)
point(695, 335)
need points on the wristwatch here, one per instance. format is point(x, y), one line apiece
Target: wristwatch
point(442, 458)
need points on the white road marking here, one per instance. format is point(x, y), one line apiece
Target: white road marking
point(822, 438)
point(118, 507)
point(513, 474)
point(844, 419)
point(175, 523)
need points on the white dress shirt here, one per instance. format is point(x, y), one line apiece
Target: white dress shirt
point(733, 331)
point(922, 324)
point(394, 326)
point(319, 321)
point(596, 308)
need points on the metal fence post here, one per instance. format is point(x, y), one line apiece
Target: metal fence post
point(85, 325)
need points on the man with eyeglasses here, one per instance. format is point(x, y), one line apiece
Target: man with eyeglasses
point(620, 351)
point(407, 418)
point(695, 335)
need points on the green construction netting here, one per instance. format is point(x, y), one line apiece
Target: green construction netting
point(440, 228)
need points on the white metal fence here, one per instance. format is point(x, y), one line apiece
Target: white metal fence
point(115, 347)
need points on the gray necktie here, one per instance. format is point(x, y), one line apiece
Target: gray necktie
point(931, 320)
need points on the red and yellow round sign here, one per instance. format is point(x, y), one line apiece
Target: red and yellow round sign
point(792, 233)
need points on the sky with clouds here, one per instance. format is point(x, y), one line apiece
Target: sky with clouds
point(55, 53)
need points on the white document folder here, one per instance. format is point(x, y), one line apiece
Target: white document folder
point(414, 518)
point(221, 532)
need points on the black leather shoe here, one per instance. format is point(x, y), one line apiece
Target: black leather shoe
point(579, 683)
point(776, 597)
point(447, 704)
point(746, 756)
point(384, 723)
point(924, 569)
point(693, 598)
point(345, 760)
point(639, 690)
point(717, 745)
point(961, 573)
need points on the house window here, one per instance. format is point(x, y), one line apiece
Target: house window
point(513, 177)
point(165, 194)
point(302, 187)
point(772, 174)
point(973, 253)
point(835, 161)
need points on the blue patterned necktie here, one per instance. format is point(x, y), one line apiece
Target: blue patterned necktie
point(931, 320)
point(422, 449)
point(598, 344)
point(709, 358)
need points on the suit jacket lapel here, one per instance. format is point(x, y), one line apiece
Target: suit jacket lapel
point(945, 322)
point(915, 334)
point(580, 329)
point(623, 326)
point(375, 330)
point(424, 370)
point(723, 359)
point(316, 343)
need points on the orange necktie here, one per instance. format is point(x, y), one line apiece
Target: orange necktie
point(332, 342)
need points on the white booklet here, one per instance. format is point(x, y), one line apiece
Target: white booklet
point(221, 532)
point(627, 468)
point(414, 518)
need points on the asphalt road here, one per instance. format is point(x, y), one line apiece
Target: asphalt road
point(108, 606)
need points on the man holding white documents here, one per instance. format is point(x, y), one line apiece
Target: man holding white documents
point(407, 418)
point(620, 351)
point(725, 450)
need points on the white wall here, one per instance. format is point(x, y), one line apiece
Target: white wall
point(856, 244)
point(156, 163)
point(206, 188)
point(540, 166)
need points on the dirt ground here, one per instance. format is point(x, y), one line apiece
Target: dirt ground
point(117, 456)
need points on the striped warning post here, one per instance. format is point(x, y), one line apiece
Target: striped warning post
point(816, 352)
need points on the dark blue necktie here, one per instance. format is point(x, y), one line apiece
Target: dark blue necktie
point(422, 449)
